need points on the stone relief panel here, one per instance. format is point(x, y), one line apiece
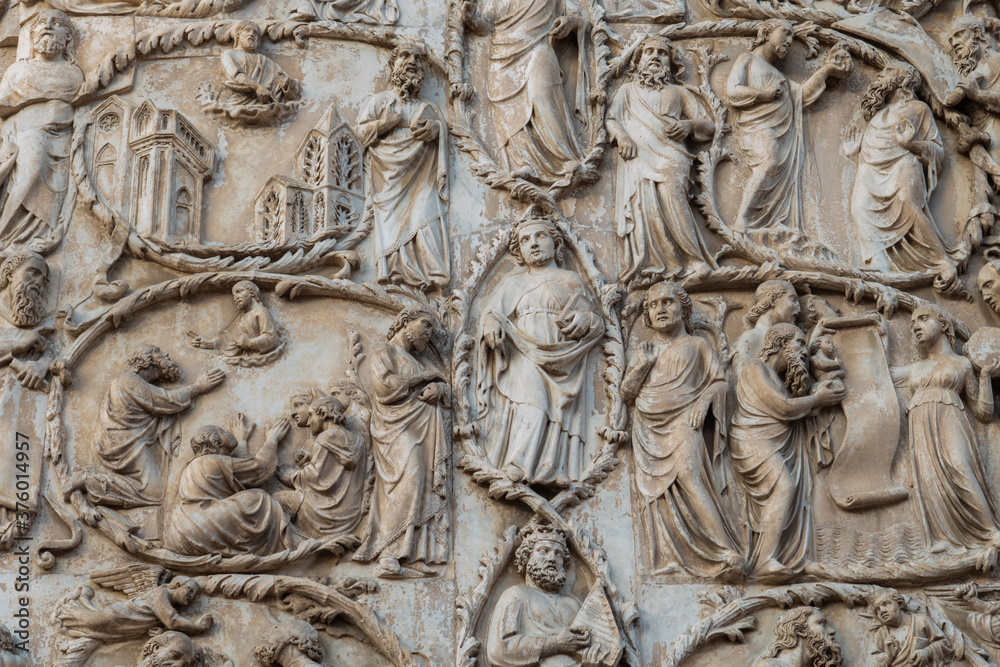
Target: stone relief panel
point(531, 332)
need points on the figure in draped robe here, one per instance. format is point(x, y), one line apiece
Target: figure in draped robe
point(537, 331)
point(678, 386)
point(957, 513)
point(407, 152)
point(329, 486)
point(217, 511)
point(136, 430)
point(774, 302)
point(767, 112)
point(531, 623)
point(769, 440)
point(36, 96)
point(252, 338)
point(900, 155)
point(406, 528)
point(24, 292)
point(651, 118)
point(905, 638)
point(536, 84)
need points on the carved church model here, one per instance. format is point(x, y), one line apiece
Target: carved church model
point(152, 164)
point(325, 195)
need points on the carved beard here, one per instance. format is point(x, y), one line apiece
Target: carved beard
point(823, 651)
point(875, 97)
point(965, 57)
point(169, 371)
point(45, 42)
point(550, 578)
point(155, 661)
point(796, 374)
point(28, 302)
point(407, 81)
point(653, 75)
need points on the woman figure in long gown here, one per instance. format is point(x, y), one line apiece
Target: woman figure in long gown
point(956, 510)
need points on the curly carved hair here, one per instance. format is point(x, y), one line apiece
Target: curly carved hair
point(248, 285)
point(767, 294)
point(776, 338)
point(328, 408)
point(766, 28)
point(407, 315)
point(792, 627)
point(534, 533)
point(674, 65)
point(678, 292)
point(901, 76)
point(16, 260)
point(144, 357)
point(210, 439)
point(292, 633)
point(160, 640)
point(535, 218)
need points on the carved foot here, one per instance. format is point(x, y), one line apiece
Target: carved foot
point(391, 568)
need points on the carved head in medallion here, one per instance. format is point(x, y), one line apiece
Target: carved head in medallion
point(655, 62)
point(785, 349)
point(53, 37)
point(24, 281)
point(543, 556)
point(889, 607)
point(246, 36)
point(213, 440)
point(153, 365)
point(967, 40)
point(406, 74)
point(170, 649)
point(666, 305)
point(535, 240)
point(928, 323)
point(322, 410)
point(989, 284)
point(899, 80)
point(807, 627)
point(289, 644)
point(777, 297)
point(245, 294)
point(413, 328)
point(775, 36)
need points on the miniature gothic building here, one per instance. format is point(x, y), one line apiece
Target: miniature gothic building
point(326, 193)
point(151, 164)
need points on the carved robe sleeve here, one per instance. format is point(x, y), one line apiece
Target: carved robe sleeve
point(267, 340)
point(506, 646)
point(157, 400)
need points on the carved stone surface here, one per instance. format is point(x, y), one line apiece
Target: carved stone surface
point(499, 332)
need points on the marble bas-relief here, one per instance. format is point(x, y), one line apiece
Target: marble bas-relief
point(513, 332)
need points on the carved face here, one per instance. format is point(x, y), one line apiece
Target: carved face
point(49, 36)
point(665, 310)
point(186, 592)
point(964, 42)
point(654, 62)
point(418, 333)
point(824, 345)
point(248, 39)
point(989, 285)
point(166, 369)
point(822, 642)
point(174, 651)
point(538, 248)
point(887, 610)
point(300, 411)
point(342, 395)
point(242, 296)
point(27, 292)
point(780, 40)
point(787, 307)
point(926, 327)
point(545, 567)
point(407, 75)
point(795, 349)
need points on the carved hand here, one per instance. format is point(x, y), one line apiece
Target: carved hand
point(905, 132)
point(434, 393)
point(572, 640)
point(241, 426)
point(648, 351)
point(32, 374)
point(301, 458)
point(578, 325)
point(425, 131)
point(205, 622)
point(993, 370)
point(199, 341)
point(967, 592)
point(562, 27)
point(827, 393)
point(493, 332)
point(696, 417)
point(853, 134)
point(280, 429)
point(208, 381)
point(626, 147)
point(595, 656)
point(772, 92)
point(679, 130)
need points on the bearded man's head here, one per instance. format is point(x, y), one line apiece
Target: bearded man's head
point(806, 626)
point(543, 556)
point(788, 342)
point(406, 72)
point(967, 40)
point(169, 649)
point(24, 276)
